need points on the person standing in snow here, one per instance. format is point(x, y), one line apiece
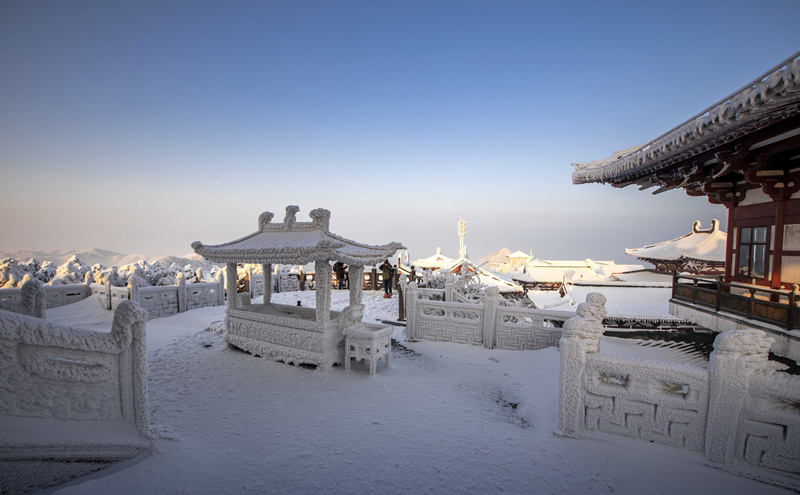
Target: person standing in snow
point(387, 272)
point(339, 268)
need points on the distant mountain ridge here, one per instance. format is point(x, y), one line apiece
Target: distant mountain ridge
point(103, 256)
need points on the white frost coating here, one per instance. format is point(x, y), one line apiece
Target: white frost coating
point(69, 393)
point(492, 325)
point(292, 242)
point(740, 412)
point(32, 300)
point(368, 343)
point(581, 336)
point(291, 334)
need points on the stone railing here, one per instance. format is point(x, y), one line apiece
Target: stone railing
point(164, 300)
point(158, 301)
point(281, 282)
point(71, 395)
point(741, 413)
point(55, 295)
point(30, 299)
point(489, 324)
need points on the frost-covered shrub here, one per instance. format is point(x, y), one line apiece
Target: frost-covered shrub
point(11, 273)
point(72, 272)
point(46, 272)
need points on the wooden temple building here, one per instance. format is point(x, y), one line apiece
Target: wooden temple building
point(294, 334)
point(742, 152)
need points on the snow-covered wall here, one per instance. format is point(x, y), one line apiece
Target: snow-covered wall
point(70, 394)
point(489, 324)
point(741, 412)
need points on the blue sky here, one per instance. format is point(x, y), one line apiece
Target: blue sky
point(142, 126)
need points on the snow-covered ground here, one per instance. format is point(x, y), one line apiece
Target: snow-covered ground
point(627, 301)
point(445, 418)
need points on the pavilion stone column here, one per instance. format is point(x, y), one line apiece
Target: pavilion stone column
point(323, 278)
point(737, 355)
point(230, 278)
point(580, 337)
point(357, 287)
point(266, 268)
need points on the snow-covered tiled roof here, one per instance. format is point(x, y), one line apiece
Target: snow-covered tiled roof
point(776, 92)
point(295, 243)
point(519, 254)
point(702, 245)
point(436, 261)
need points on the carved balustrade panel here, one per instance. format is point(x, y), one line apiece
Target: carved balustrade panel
point(660, 402)
point(450, 322)
point(524, 329)
point(769, 435)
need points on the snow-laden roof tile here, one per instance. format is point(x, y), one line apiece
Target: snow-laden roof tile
point(294, 243)
point(702, 245)
point(775, 91)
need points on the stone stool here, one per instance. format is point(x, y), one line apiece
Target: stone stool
point(363, 342)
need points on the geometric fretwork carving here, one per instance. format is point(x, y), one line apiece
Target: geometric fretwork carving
point(659, 402)
point(521, 339)
point(468, 329)
point(769, 435)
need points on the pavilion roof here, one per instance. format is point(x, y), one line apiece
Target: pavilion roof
point(293, 242)
point(770, 98)
point(438, 260)
point(703, 245)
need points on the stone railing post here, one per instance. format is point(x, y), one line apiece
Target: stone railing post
point(449, 287)
point(133, 290)
point(490, 317)
point(737, 355)
point(411, 311)
point(182, 303)
point(580, 337)
point(88, 280)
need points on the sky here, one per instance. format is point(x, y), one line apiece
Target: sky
point(142, 126)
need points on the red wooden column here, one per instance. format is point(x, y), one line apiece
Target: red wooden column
point(777, 252)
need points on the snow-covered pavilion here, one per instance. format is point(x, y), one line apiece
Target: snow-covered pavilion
point(288, 333)
point(699, 251)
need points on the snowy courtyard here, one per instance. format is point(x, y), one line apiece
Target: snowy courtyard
point(444, 418)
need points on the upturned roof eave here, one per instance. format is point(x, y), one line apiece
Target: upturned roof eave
point(773, 93)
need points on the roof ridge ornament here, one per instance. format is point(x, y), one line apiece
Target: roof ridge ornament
point(321, 219)
point(697, 230)
point(264, 219)
point(291, 217)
